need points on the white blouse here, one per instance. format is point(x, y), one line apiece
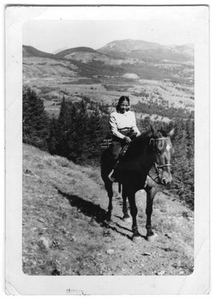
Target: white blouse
point(119, 121)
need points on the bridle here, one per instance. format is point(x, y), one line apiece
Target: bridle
point(156, 179)
point(156, 166)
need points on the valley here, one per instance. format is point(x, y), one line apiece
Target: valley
point(144, 75)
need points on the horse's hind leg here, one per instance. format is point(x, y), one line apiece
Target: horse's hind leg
point(151, 192)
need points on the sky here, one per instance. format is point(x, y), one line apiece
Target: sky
point(55, 29)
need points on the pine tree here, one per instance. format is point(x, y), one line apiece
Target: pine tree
point(144, 124)
point(189, 126)
point(35, 120)
point(183, 164)
point(53, 140)
point(63, 128)
point(94, 134)
point(77, 133)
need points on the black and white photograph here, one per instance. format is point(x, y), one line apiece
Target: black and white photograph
point(107, 149)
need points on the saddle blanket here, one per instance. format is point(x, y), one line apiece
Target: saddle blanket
point(106, 143)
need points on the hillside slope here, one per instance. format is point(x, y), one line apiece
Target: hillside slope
point(29, 51)
point(64, 232)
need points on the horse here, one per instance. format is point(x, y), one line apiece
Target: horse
point(146, 163)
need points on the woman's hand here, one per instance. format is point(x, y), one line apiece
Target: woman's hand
point(127, 139)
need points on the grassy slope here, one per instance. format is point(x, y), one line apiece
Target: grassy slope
point(64, 232)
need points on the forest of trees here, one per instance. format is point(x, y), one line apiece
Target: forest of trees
point(171, 112)
point(78, 131)
point(35, 120)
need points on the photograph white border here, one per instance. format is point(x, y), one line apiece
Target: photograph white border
point(19, 283)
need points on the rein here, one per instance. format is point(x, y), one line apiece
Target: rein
point(157, 178)
point(157, 167)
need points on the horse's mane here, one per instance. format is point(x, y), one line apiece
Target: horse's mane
point(150, 134)
point(143, 140)
point(140, 142)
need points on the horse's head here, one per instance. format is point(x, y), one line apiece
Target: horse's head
point(151, 151)
point(163, 150)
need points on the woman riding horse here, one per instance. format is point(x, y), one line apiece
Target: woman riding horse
point(123, 127)
point(148, 155)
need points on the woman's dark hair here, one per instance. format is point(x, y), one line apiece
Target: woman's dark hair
point(121, 99)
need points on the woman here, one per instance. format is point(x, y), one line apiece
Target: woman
point(123, 127)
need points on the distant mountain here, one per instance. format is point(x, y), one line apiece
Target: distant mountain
point(129, 45)
point(83, 54)
point(187, 49)
point(59, 50)
point(147, 51)
point(71, 51)
point(29, 51)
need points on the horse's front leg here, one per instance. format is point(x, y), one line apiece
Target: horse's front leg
point(124, 205)
point(133, 209)
point(109, 189)
point(150, 192)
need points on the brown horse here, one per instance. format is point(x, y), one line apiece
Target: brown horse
point(146, 163)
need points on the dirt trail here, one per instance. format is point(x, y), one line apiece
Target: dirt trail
point(64, 232)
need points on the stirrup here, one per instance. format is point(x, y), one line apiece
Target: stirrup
point(110, 176)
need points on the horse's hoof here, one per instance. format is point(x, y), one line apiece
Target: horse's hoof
point(136, 238)
point(151, 238)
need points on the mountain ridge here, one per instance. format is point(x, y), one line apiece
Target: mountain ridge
point(75, 49)
point(131, 44)
point(123, 49)
point(149, 51)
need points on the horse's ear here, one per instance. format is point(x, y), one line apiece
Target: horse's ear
point(171, 132)
point(153, 130)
